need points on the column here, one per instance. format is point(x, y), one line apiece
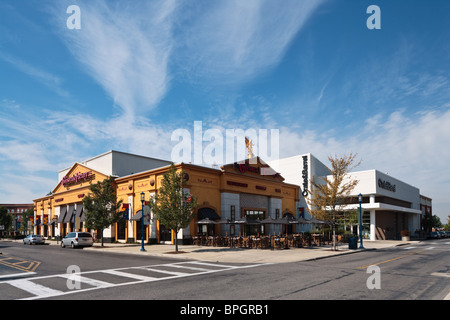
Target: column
point(373, 228)
point(130, 237)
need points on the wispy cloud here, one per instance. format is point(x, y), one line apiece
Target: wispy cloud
point(125, 47)
point(48, 79)
point(232, 41)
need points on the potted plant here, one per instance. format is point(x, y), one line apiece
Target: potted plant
point(406, 234)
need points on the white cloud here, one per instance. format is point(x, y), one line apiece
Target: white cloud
point(233, 40)
point(48, 79)
point(410, 147)
point(125, 48)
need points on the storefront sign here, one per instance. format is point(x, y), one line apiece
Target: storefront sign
point(305, 176)
point(237, 184)
point(386, 185)
point(244, 167)
point(77, 178)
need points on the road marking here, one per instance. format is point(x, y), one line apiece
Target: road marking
point(429, 248)
point(409, 248)
point(19, 263)
point(441, 274)
point(129, 275)
point(167, 272)
point(89, 281)
point(34, 288)
point(390, 260)
point(40, 291)
point(447, 297)
point(13, 275)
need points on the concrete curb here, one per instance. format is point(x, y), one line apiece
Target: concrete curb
point(235, 255)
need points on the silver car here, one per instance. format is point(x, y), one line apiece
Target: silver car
point(34, 238)
point(77, 239)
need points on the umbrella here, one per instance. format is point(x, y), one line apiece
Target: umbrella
point(269, 220)
point(302, 220)
point(316, 221)
point(245, 220)
point(206, 221)
point(223, 221)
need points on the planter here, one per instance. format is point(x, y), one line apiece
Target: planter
point(406, 234)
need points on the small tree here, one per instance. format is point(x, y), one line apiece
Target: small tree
point(172, 206)
point(101, 206)
point(26, 217)
point(328, 195)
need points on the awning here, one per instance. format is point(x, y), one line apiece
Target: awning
point(62, 214)
point(137, 216)
point(79, 212)
point(69, 214)
point(52, 221)
point(209, 213)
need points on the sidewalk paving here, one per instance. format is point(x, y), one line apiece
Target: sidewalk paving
point(240, 255)
point(237, 255)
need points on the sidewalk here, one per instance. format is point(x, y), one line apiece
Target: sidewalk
point(239, 255)
point(236, 255)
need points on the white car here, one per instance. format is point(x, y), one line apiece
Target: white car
point(77, 239)
point(34, 238)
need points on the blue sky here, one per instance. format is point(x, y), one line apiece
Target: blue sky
point(138, 70)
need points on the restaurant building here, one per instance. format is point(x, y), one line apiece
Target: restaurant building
point(389, 205)
point(249, 189)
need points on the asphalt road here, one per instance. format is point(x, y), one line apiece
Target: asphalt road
point(420, 272)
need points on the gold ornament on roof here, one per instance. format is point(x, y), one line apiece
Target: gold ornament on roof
point(249, 145)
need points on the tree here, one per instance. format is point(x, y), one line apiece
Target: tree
point(6, 218)
point(329, 194)
point(101, 207)
point(26, 217)
point(173, 207)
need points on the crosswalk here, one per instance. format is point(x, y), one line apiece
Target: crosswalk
point(429, 246)
point(68, 283)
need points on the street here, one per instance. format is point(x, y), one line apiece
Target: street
point(420, 271)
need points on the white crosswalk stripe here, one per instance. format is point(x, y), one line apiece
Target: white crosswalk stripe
point(131, 275)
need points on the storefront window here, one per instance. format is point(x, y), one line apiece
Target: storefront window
point(254, 229)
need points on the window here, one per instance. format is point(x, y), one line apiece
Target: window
point(233, 213)
point(277, 213)
point(254, 229)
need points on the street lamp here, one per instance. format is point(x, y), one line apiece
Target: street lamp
point(360, 222)
point(73, 215)
point(142, 221)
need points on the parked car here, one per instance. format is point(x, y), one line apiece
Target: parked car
point(34, 238)
point(443, 234)
point(434, 235)
point(77, 239)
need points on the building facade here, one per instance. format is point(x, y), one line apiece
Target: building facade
point(389, 205)
point(249, 189)
point(18, 211)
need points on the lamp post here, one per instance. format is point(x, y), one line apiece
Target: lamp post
point(360, 222)
point(142, 221)
point(73, 215)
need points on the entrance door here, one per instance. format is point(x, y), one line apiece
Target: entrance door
point(121, 227)
point(139, 231)
point(165, 234)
